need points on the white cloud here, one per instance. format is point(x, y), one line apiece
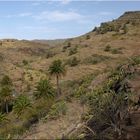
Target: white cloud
point(65, 2)
point(19, 15)
point(59, 16)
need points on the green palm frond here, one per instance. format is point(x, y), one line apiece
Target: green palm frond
point(3, 118)
point(57, 68)
point(21, 104)
point(44, 89)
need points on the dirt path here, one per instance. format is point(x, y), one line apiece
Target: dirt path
point(53, 129)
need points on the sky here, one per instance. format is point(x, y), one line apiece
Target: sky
point(57, 19)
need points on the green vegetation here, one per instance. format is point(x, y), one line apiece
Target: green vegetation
point(57, 110)
point(73, 61)
point(136, 60)
point(57, 69)
point(95, 58)
point(66, 46)
point(108, 48)
point(6, 81)
point(21, 104)
point(3, 118)
point(50, 54)
point(6, 93)
point(44, 89)
point(73, 51)
point(109, 27)
point(116, 51)
point(125, 28)
point(109, 105)
point(87, 37)
point(25, 62)
point(105, 27)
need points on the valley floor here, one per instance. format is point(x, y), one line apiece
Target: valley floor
point(53, 129)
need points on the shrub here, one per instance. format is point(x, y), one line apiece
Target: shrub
point(87, 37)
point(136, 59)
point(57, 110)
point(50, 54)
point(25, 62)
point(21, 104)
point(107, 48)
point(3, 118)
point(113, 50)
point(73, 51)
point(80, 91)
point(95, 58)
point(66, 47)
point(44, 89)
point(125, 28)
point(116, 51)
point(6, 81)
point(72, 61)
point(110, 104)
point(95, 29)
point(105, 27)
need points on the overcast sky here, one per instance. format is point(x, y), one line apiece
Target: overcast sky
point(57, 19)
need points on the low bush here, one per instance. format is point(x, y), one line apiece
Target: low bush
point(136, 59)
point(66, 47)
point(50, 54)
point(57, 110)
point(87, 37)
point(107, 48)
point(73, 51)
point(25, 62)
point(72, 61)
point(109, 104)
point(44, 89)
point(95, 58)
point(116, 51)
point(113, 50)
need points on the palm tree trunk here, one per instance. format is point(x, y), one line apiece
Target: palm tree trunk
point(6, 106)
point(58, 87)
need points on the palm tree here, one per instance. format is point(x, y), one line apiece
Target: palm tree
point(21, 104)
point(44, 89)
point(6, 92)
point(57, 69)
point(3, 118)
point(6, 96)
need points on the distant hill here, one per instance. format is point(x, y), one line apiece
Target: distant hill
point(51, 42)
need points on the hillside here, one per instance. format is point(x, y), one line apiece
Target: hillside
point(89, 59)
point(51, 42)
